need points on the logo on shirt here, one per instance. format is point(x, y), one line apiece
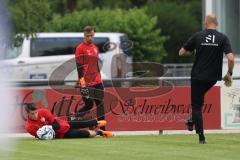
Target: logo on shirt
point(209, 41)
point(210, 38)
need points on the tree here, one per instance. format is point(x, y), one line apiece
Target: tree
point(66, 6)
point(29, 16)
point(139, 27)
point(177, 20)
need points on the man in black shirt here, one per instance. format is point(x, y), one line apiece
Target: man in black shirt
point(209, 46)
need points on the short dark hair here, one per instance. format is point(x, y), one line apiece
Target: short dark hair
point(88, 29)
point(30, 107)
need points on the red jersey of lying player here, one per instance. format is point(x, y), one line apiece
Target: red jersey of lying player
point(45, 117)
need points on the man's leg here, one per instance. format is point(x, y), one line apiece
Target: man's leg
point(93, 123)
point(76, 133)
point(99, 101)
point(198, 91)
point(197, 98)
point(88, 105)
point(76, 124)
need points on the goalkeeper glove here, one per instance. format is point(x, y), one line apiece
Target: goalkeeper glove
point(83, 89)
point(228, 79)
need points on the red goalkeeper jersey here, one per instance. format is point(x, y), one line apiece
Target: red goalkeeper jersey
point(87, 56)
point(45, 117)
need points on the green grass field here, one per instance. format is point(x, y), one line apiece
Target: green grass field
point(164, 147)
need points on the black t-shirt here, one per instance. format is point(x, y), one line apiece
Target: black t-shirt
point(209, 45)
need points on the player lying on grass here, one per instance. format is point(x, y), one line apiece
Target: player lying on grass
point(37, 118)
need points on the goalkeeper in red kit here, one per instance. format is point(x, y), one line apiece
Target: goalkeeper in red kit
point(89, 78)
point(36, 118)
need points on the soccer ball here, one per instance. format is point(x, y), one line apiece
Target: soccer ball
point(46, 132)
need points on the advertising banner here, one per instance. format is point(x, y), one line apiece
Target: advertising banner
point(126, 109)
point(167, 111)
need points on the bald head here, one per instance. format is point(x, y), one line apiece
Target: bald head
point(210, 21)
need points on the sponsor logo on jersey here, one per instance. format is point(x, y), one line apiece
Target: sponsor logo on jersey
point(209, 41)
